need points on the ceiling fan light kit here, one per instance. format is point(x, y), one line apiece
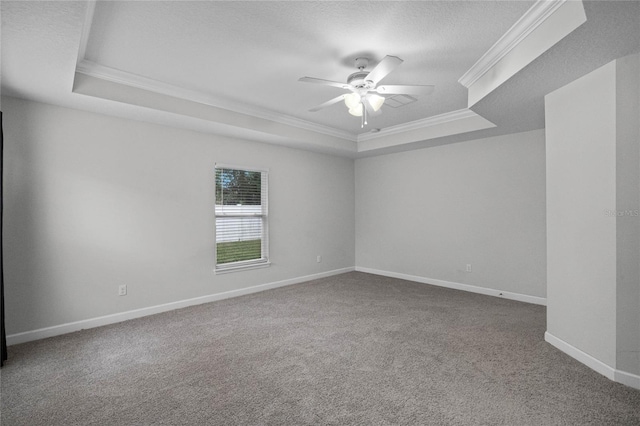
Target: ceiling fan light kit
point(361, 102)
point(351, 100)
point(376, 101)
point(356, 111)
point(354, 102)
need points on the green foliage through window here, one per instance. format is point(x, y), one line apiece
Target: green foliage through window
point(238, 187)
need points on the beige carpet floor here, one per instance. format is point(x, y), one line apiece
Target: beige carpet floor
point(353, 349)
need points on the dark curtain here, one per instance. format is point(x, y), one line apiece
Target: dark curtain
point(3, 342)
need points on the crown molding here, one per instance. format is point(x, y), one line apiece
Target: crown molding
point(92, 69)
point(531, 20)
point(524, 26)
point(114, 75)
point(86, 30)
point(125, 78)
point(419, 124)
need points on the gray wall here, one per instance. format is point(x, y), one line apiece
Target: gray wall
point(628, 224)
point(92, 202)
point(581, 237)
point(429, 213)
point(593, 193)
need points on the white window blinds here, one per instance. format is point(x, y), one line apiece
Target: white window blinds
point(241, 218)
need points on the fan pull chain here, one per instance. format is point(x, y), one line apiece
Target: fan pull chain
point(364, 115)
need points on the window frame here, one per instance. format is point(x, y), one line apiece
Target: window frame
point(264, 260)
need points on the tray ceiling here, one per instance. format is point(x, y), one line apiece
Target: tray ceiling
point(252, 53)
point(231, 67)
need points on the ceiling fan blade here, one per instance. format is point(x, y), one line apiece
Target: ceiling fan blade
point(328, 103)
point(404, 90)
point(325, 82)
point(386, 65)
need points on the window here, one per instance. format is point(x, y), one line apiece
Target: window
point(241, 218)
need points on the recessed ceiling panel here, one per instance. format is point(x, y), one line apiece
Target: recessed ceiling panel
point(252, 53)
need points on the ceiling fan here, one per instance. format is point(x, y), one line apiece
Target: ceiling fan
point(364, 98)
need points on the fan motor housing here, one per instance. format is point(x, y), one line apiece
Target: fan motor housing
point(358, 80)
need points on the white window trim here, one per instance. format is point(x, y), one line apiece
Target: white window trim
point(242, 266)
point(237, 167)
point(245, 264)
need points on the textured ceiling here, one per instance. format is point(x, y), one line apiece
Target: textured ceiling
point(254, 52)
point(251, 54)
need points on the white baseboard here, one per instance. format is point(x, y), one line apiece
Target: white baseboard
point(42, 333)
point(583, 357)
point(458, 286)
point(596, 365)
point(631, 380)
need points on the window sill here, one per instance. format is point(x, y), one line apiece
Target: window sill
point(240, 267)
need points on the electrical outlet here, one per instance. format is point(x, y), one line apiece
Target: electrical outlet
point(468, 267)
point(122, 290)
point(319, 259)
